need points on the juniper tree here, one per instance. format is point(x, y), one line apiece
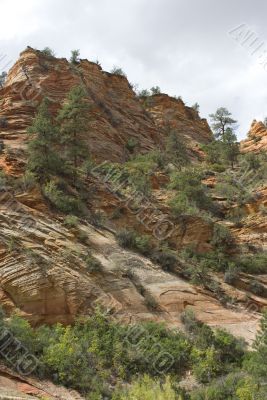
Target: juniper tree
point(43, 158)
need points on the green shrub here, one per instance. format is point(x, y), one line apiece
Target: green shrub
point(166, 258)
point(257, 288)
point(131, 240)
point(231, 275)
point(92, 264)
point(82, 236)
point(48, 52)
point(147, 388)
point(61, 201)
point(222, 237)
point(117, 71)
point(71, 221)
point(131, 144)
point(218, 168)
point(151, 302)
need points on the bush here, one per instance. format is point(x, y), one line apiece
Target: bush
point(133, 241)
point(222, 237)
point(218, 168)
point(151, 302)
point(257, 288)
point(63, 202)
point(180, 206)
point(71, 221)
point(48, 52)
point(256, 264)
point(231, 274)
point(117, 71)
point(131, 144)
point(147, 388)
point(166, 258)
point(82, 236)
point(92, 264)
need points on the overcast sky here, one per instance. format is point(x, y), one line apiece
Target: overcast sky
point(184, 46)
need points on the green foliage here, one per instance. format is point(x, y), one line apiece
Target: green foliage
point(257, 288)
point(43, 158)
point(131, 240)
point(131, 144)
point(63, 202)
point(92, 264)
point(256, 264)
point(231, 274)
point(117, 71)
point(155, 90)
point(75, 57)
point(192, 194)
point(221, 120)
point(256, 362)
point(71, 221)
point(147, 388)
point(176, 151)
point(47, 51)
point(214, 352)
point(73, 121)
point(230, 146)
point(222, 237)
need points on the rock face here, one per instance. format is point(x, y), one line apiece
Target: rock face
point(17, 387)
point(116, 115)
point(43, 272)
point(171, 114)
point(257, 138)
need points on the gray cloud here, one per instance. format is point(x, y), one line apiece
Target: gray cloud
point(181, 45)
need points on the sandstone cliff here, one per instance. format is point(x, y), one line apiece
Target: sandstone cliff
point(257, 138)
point(42, 269)
point(117, 115)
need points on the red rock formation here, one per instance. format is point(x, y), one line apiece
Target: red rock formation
point(170, 113)
point(116, 113)
point(257, 138)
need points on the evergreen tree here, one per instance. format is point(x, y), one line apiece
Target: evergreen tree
point(231, 146)
point(75, 54)
point(176, 150)
point(222, 120)
point(43, 159)
point(73, 120)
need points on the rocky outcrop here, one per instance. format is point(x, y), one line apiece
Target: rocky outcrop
point(44, 274)
point(171, 114)
point(17, 387)
point(257, 138)
point(116, 115)
point(43, 268)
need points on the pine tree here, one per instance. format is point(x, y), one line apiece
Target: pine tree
point(222, 120)
point(43, 159)
point(73, 120)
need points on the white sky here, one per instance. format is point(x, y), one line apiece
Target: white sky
point(181, 45)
